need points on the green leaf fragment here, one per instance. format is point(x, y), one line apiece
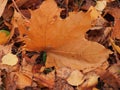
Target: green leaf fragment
point(5, 31)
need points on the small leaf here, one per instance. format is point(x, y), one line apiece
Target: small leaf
point(44, 57)
point(5, 31)
point(4, 35)
point(75, 78)
point(116, 47)
point(10, 59)
point(2, 6)
point(22, 80)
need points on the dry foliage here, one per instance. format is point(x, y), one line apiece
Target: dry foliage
point(2, 6)
point(78, 45)
point(63, 40)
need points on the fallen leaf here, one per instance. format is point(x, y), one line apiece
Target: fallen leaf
point(116, 47)
point(62, 39)
point(61, 84)
point(100, 6)
point(110, 79)
point(0, 79)
point(75, 78)
point(9, 81)
point(115, 12)
point(4, 35)
point(22, 80)
point(63, 72)
point(2, 6)
point(95, 88)
point(45, 80)
point(9, 59)
point(116, 32)
point(91, 80)
point(5, 48)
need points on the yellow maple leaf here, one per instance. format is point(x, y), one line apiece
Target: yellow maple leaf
point(63, 39)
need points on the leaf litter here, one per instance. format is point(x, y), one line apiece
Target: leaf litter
point(52, 50)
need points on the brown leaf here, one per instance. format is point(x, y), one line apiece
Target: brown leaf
point(2, 6)
point(22, 80)
point(63, 40)
point(63, 72)
point(5, 49)
point(10, 83)
point(90, 80)
point(110, 79)
point(61, 84)
point(115, 12)
point(116, 31)
point(45, 80)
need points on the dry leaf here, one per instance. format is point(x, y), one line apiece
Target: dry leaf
point(91, 80)
point(63, 72)
point(22, 81)
point(116, 47)
point(116, 31)
point(100, 6)
point(95, 88)
point(115, 12)
point(5, 49)
point(0, 79)
point(2, 6)
point(3, 37)
point(63, 40)
point(9, 59)
point(61, 84)
point(45, 80)
point(75, 78)
point(110, 79)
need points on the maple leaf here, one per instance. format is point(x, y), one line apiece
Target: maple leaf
point(62, 39)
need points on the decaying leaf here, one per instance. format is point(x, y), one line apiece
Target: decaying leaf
point(63, 39)
point(2, 6)
point(9, 59)
point(75, 78)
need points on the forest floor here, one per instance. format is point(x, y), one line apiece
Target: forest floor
point(59, 45)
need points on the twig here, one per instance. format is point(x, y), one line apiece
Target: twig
point(18, 9)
